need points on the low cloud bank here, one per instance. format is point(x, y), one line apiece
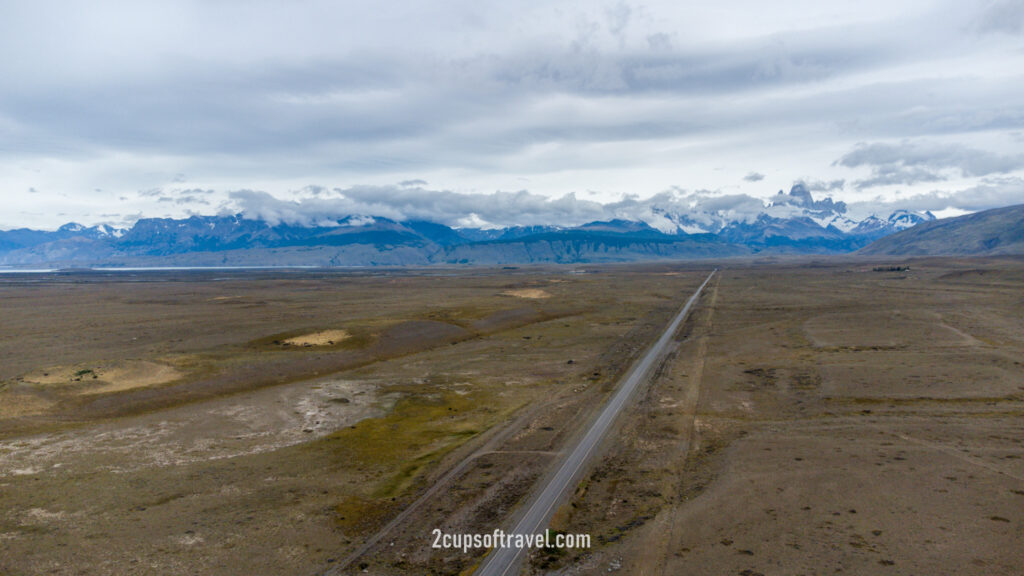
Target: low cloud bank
point(669, 210)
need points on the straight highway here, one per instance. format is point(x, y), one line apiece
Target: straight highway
point(504, 561)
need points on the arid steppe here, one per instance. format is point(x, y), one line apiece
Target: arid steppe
point(814, 417)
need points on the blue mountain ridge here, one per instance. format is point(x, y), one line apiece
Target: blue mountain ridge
point(807, 227)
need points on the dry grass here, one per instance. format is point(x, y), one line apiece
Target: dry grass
point(20, 405)
point(844, 419)
point(821, 418)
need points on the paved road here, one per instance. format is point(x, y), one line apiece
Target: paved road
point(503, 561)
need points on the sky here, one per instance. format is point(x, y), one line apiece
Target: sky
point(494, 114)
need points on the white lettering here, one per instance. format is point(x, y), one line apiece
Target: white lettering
point(500, 539)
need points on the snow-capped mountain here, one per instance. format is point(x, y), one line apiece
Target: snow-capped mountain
point(795, 215)
point(792, 222)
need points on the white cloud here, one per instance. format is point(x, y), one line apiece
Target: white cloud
point(102, 99)
point(910, 162)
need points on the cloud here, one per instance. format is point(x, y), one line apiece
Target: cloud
point(666, 210)
point(823, 186)
point(1005, 16)
point(403, 203)
point(191, 199)
point(189, 196)
point(911, 162)
point(660, 42)
point(314, 190)
point(618, 17)
point(894, 175)
point(993, 192)
point(613, 96)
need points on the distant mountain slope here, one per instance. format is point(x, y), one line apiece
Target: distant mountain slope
point(793, 223)
point(990, 233)
point(582, 245)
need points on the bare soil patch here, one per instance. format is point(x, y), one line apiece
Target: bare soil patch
point(324, 338)
point(529, 293)
point(105, 377)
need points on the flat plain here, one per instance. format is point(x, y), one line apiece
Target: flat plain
point(813, 417)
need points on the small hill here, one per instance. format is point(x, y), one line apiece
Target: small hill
point(994, 232)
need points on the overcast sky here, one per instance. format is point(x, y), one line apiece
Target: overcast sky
point(501, 112)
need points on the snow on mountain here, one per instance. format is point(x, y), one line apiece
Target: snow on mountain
point(903, 219)
point(669, 225)
point(796, 211)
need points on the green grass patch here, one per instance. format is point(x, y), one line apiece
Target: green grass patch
point(399, 448)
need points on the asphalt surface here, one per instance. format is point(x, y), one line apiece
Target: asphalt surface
point(504, 561)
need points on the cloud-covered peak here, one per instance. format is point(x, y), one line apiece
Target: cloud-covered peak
point(670, 211)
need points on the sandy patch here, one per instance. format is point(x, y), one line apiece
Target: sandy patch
point(134, 375)
point(101, 379)
point(532, 293)
point(325, 338)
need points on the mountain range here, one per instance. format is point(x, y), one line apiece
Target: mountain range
point(996, 232)
point(792, 223)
